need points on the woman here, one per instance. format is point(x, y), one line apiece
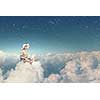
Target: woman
point(24, 54)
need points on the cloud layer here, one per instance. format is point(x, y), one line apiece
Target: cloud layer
point(52, 68)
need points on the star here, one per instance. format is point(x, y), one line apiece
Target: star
point(86, 26)
point(23, 27)
point(51, 22)
point(14, 25)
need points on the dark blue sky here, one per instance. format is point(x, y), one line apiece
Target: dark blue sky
point(50, 34)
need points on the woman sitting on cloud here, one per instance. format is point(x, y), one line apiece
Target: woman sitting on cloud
point(24, 54)
point(29, 70)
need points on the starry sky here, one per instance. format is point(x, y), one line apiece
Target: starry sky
point(50, 33)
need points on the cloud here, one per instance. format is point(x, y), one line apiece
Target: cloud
point(1, 77)
point(39, 72)
point(53, 63)
point(25, 72)
point(22, 73)
point(10, 62)
point(53, 78)
point(2, 57)
point(85, 68)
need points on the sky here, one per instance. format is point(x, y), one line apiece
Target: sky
point(50, 33)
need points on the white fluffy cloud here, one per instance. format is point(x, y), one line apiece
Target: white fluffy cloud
point(22, 73)
point(25, 72)
point(7, 59)
point(53, 78)
point(85, 68)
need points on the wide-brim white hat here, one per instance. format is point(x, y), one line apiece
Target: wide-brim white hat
point(26, 46)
